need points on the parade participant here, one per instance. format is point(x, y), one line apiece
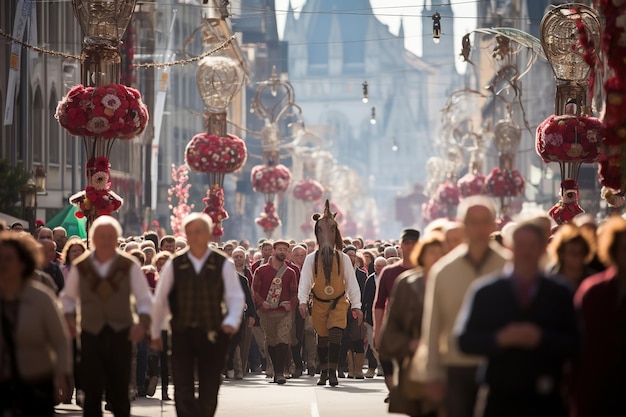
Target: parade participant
point(525, 326)
point(355, 332)
point(34, 342)
point(329, 273)
point(403, 324)
point(275, 294)
point(266, 251)
point(168, 243)
point(249, 318)
point(369, 294)
point(104, 283)
point(303, 334)
point(449, 374)
point(194, 286)
point(388, 276)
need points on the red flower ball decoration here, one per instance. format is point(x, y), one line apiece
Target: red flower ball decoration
point(210, 153)
point(270, 179)
point(569, 139)
point(504, 183)
point(433, 210)
point(567, 208)
point(308, 190)
point(448, 194)
point(108, 112)
point(96, 199)
point(214, 207)
point(472, 184)
point(269, 219)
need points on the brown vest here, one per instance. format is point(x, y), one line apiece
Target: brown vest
point(197, 300)
point(105, 300)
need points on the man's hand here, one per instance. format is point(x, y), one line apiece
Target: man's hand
point(265, 305)
point(71, 324)
point(137, 333)
point(251, 321)
point(358, 315)
point(228, 329)
point(157, 344)
point(521, 334)
point(434, 391)
point(304, 310)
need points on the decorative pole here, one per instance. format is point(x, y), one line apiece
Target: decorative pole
point(101, 109)
point(569, 137)
point(216, 152)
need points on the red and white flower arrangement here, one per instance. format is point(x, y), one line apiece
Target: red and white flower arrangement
point(214, 207)
point(268, 219)
point(308, 190)
point(270, 179)
point(96, 199)
point(109, 112)
point(448, 194)
point(504, 183)
point(180, 192)
point(433, 210)
point(472, 184)
point(211, 153)
point(569, 139)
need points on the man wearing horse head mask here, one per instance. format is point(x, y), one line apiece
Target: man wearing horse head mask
point(329, 274)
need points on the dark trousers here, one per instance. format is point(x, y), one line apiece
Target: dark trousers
point(232, 348)
point(27, 399)
point(461, 390)
point(142, 366)
point(105, 366)
point(517, 405)
point(164, 362)
point(190, 348)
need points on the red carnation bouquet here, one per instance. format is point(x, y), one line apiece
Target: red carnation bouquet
point(569, 139)
point(448, 194)
point(308, 190)
point(214, 207)
point(270, 179)
point(210, 153)
point(504, 183)
point(110, 111)
point(472, 184)
point(268, 220)
point(96, 199)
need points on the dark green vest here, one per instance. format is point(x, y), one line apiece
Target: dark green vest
point(197, 300)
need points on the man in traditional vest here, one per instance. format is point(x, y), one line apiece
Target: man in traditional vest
point(329, 308)
point(201, 289)
point(104, 282)
point(275, 292)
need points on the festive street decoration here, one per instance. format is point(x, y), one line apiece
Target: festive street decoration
point(268, 219)
point(569, 138)
point(214, 207)
point(211, 153)
point(270, 179)
point(448, 196)
point(567, 208)
point(472, 184)
point(504, 183)
point(179, 191)
point(96, 199)
point(433, 210)
point(308, 190)
point(107, 112)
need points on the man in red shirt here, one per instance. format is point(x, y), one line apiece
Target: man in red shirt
point(387, 278)
point(275, 291)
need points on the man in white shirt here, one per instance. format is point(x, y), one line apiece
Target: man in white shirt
point(103, 284)
point(193, 286)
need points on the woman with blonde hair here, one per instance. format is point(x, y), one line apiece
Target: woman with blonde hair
point(73, 248)
point(571, 251)
point(402, 329)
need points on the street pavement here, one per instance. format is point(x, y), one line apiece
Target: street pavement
point(254, 396)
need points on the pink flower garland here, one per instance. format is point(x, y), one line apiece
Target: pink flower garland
point(108, 112)
point(180, 192)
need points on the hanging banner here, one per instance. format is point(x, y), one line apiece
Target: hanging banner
point(22, 15)
point(162, 81)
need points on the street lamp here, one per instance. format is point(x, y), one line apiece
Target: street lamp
point(29, 202)
point(40, 179)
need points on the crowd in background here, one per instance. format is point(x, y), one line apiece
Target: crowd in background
point(459, 319)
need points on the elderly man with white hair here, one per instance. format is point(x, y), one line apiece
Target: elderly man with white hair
point(104, 283)
point(193, 287)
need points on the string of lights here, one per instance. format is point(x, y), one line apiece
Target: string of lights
point(191, 60)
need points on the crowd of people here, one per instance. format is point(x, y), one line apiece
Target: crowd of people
point(460, 319)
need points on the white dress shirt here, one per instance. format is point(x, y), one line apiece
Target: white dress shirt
point(349, 278)
point(233, 293)
point(70, 296)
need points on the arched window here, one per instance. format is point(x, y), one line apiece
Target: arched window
point(54, 144)
point(38, 127)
